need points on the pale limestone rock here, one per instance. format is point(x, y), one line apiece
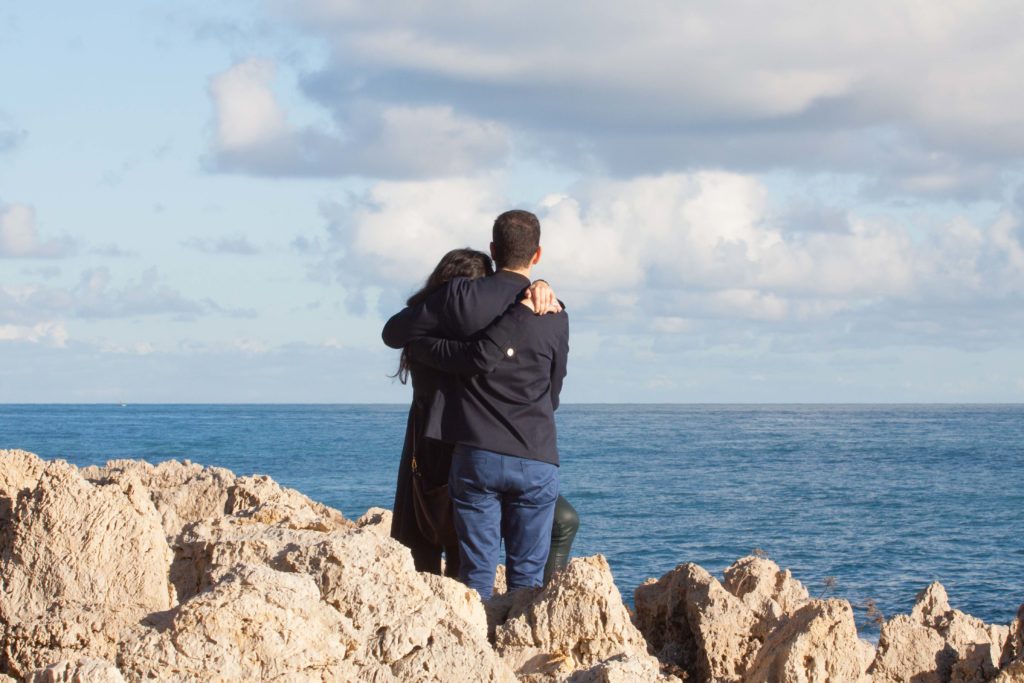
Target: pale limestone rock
point(401, 629)
point(66, 632)
point(183, 492)
point(978, 646)
point(77, 562)
point(377, 520)
point(936, 644)
point(263, 500)
point(500, 580)
point(691, 621)
point(623, 669)
point(7, 679)
point(909, 650)
point(74, 542)
point(464, 602)
point(931, 606)
point(81, 671)
point(19, 471)
point(204, 551)
point(817, 644)
point(770, 593)
point(1014, 648)
point(1011, 673)
point(256, 624)
point(577, 621)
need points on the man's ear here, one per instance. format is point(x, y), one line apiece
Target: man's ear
point(536, 258)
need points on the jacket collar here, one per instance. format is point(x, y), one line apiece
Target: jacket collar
point(513, 277)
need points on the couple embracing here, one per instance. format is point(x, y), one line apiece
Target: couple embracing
point(486, 353)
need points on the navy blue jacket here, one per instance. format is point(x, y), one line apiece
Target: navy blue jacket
point(519, 361)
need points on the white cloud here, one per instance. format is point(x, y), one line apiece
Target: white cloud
point(399, 230)
point(663, 253)
point(19, 236)
point(254, 135)
point(52, 333)
point(920, 95)
point(96, 296)
point(248, 115)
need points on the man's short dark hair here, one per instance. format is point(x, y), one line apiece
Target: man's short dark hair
point(516, 237)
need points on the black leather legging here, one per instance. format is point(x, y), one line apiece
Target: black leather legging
point(563, 532)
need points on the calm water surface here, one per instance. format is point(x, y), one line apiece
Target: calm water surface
point(883, 498)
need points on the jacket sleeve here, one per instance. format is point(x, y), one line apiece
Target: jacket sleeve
point(416, 321)
point(478, 355)
point(559, 362)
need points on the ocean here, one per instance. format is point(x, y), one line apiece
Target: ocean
point(865, 502)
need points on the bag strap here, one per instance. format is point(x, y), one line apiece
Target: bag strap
point(412, 439)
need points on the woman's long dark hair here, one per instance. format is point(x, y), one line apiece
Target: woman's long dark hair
point(456, 263)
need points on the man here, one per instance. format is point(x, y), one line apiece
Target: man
point(504, 474)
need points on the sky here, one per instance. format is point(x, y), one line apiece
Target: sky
point(740, 201)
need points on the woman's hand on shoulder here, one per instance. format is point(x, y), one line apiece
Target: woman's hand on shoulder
point(542, 298)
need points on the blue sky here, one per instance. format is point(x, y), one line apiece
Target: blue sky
point(740, 201)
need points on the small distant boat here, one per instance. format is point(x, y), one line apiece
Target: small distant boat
point(124, 405)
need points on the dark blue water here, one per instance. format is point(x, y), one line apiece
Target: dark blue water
point(883, 498)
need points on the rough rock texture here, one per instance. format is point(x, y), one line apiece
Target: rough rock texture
point(690, 620)
point(256, 624)
point(397, 627)
point(818, 644)
point(204, 551)
point(178, 572)
point(1012, 659)
point(19, 470)
point(768, 591)
point(261, 499)
point(574, 623)
point(78, 561)
point(184, 493)
point(936, 644)
point(622, 669)
point(377, 520)
point(82, 671)
point(1014, 648)
point(1011, 673)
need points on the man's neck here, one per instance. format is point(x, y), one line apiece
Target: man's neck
point(525, 272)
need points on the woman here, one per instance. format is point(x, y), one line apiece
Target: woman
point(429, 459)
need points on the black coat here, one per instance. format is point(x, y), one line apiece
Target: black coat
point(509, 409)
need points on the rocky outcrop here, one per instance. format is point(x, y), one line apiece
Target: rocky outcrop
point(77, 562)
point(184, 493)
point(817, 643)
point(19, 470)
point(690, 620)
point(1012, 659)
point(622, 669)
point(576, 622)
point(81, 671)
point(178, 572)
point(770, 593)
point(255, 624)
point(399, 627)
point(936, 644)
point(1014, 648)
point(1011, 673)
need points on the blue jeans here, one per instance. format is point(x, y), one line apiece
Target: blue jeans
point(501, 496)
